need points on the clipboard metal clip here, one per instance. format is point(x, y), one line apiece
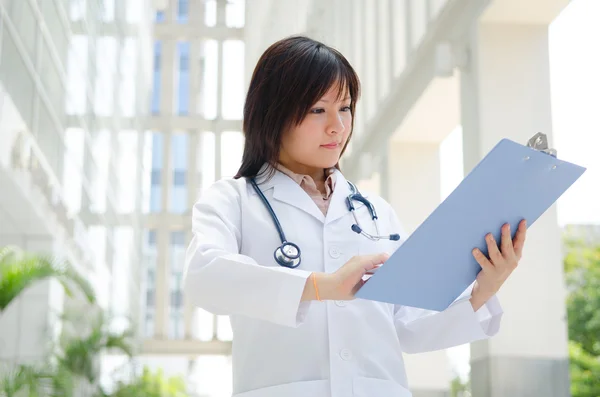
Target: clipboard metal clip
point(540, 142)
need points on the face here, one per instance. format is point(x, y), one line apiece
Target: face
point(317, 142)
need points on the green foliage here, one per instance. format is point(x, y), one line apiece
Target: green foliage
point(582, 270)
point(458, 388)
point(152, 385)
point(79, 354)
point(75, 360)
point(20, 270)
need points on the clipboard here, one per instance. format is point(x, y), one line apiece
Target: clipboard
point(435, 265)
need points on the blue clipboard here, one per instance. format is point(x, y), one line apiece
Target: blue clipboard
point(435, 265)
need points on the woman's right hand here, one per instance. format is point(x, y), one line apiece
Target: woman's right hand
point(347, 280)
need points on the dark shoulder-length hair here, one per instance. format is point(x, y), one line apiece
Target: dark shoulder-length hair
point(289, 78)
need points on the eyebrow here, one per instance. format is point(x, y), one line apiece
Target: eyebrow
point(327, 101)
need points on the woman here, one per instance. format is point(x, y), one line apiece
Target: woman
point(298, 331)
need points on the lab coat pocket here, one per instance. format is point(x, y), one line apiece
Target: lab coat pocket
point(312, 388)
point(373, 387)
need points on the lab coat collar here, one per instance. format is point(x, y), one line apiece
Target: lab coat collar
point(288, 191)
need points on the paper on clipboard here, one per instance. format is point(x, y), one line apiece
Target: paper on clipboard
point(435, 264)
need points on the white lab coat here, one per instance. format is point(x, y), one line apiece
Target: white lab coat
point(284, 347)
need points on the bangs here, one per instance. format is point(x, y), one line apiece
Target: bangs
point(326, 69)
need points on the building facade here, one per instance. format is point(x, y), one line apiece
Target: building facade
point(75, 79)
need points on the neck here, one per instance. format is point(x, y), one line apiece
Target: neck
point(317, 174)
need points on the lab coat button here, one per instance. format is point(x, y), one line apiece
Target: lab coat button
point(334, 252)
point(346, 354)
point(340, 303)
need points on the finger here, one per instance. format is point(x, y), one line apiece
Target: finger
point(371, 261)
point(519, 240)
point(507, 245)
point(483, 261)
point(372, 271)
point(493, 251)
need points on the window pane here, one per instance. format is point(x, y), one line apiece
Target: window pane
point(127, 164)
point(202, 328)
point(210, 12)
point(73, 168)
point(157, 168)
point(182, 11)
point(128, 69)
point(209, 79)
point(234, 13)
point(106, 50)
point(232, 147)
point(179, 151)
point(233, 79)
point(183, 85)
point(206, 159)
point(77, 75)
point(155, 106)
point(101, 153)
point(149, 257)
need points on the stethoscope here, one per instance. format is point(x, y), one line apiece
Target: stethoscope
point(288, 253)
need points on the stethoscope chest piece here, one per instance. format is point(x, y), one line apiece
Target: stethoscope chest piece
point(288, 255)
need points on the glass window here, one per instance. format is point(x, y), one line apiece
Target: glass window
point(156, 173)
point(135, 10)
point(206, 159)
point(77, 75)
point(232, 100)
point(234, 13)
point(99, 182)
point(176, 324)
point(209, 79)
point(128, 69)
point(177, 251)
point(179, 156)
point(149, 258)
point(108, 10)
point(149, 324)
point(210, 13)
point(155, 106)
point(122, 273)
point(77, 10)
point(182, 11)
point(177, 258)
point(106, 50)
point(73, 168)
point(232, 148)
point(127, 164)
point(160, 16)
point(183, 84)
point(202, 328)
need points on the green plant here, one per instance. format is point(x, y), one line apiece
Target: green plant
point(26, 380)
point(19, 270)
point(582, 270)
point(150, 384)
point(79, 354)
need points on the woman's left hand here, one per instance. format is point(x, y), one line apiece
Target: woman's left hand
point(500, 264)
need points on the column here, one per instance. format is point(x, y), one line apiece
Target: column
point(414, 191)
point(505, 92)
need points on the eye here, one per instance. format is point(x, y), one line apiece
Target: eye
point(346, 109)
point(317, 110)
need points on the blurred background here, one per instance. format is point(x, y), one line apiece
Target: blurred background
point(115, 115)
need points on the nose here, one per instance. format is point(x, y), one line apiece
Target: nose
point(336, 124)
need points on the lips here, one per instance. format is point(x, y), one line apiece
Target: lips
point(331, 145)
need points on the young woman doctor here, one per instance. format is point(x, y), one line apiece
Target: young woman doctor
point(277, 249)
